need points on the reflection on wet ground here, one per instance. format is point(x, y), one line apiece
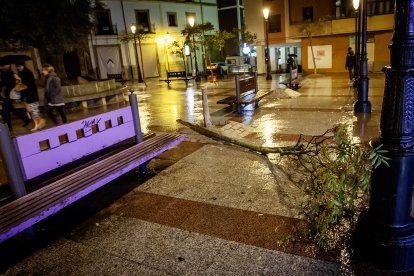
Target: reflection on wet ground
point(320, 103)
point(233, 204)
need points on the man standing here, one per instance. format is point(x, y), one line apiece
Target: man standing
point(350, 63)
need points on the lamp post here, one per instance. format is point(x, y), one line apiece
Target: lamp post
point(133, 30)
point(363, 105)
point(267, 56)
point(188, 53)
point(355, 3)
point(166, 39)
point(388, 229)
point(191, 23)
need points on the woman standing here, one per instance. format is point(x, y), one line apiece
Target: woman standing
point(30, 96)
point(53, 94)
point(8, 82)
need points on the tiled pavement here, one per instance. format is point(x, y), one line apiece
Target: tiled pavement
point(212, 208)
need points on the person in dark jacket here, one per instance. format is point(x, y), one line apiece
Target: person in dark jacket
point(53, 94)
point(8, 81)
point(350, 63)
point(30, 96)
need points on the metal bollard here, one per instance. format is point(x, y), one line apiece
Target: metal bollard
point(206, 111)
point(10, 159)
point(135, 115)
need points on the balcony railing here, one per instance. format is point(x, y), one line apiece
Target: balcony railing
point(106, 30)
point(374, 7)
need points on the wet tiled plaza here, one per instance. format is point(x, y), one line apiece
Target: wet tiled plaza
point(211, 208)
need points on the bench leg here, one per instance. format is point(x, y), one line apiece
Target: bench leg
point(239, 108)
point(142, 169)
point(84, 104)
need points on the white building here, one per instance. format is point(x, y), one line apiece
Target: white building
point(111, 56)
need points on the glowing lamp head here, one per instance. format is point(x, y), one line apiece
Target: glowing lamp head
point(266, 13)
point(191, 21)
point(133, 29)
point(355, 3)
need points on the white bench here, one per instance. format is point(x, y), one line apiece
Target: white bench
point(30, 156)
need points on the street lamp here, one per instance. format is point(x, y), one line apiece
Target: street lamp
point(133, 30)
point(355, 3)
point(363, 105)
point(191, 21)
point(166, 41)
point(267, 57)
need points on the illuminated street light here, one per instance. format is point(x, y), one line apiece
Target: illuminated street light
point(267, 56)
point(363, 105)
point(133, 30)
point(355, 3)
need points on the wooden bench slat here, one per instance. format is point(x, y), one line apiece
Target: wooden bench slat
point(59, 188)
point(59, 205)
point(177, 75)
point(257, 96)
point(56, 187)
point(117, 171)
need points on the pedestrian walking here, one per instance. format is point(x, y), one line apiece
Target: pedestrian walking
point(8, 81)
point(53, 94)
point(30, 96)
point(350, 63)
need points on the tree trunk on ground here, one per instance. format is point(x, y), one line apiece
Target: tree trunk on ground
point(263, 150)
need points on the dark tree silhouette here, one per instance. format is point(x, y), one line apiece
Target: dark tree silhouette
point(51, 26)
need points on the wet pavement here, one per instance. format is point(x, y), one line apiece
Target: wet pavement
point(209, 208)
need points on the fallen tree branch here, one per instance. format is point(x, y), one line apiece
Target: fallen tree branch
point(264, 150)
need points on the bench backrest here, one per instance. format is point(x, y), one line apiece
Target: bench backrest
point(179, 74)
point(245, 84)
point(49, 149)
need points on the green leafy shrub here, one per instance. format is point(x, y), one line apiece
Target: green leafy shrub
point(337, 175)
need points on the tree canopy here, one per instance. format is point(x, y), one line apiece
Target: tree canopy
point(49, 25)
point(52, 26)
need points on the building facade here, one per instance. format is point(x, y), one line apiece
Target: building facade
point(332, 26)
point(160, 21)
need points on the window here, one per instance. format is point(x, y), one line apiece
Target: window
point(143, 21)
point(104, 23)
point(307, 13)
point(172, 19)
point(275, 23)
point(379, 7)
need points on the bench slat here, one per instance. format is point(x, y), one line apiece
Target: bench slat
point(51, 206)
point(56, 188)
point(256, 97)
